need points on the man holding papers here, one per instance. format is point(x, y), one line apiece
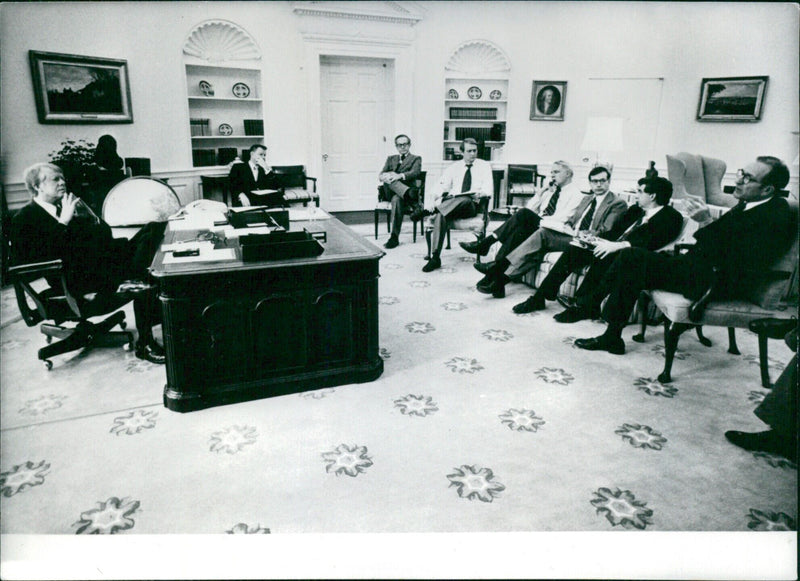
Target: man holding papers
point(255, 175)
point(461, 185)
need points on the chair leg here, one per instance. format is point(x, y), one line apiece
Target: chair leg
point(375, 213)
point(643, 302)
point(671, 337)
point(448, 239)
point(414, 225)
point(733, 349)
point(702, 338)
point(86, 335)
point(763, 360)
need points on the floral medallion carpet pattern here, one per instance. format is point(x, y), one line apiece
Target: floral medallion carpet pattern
point(483, 421)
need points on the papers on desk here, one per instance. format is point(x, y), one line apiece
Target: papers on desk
point(307, 213)
point(206, 252)
point(264, 192)
point(196, 221)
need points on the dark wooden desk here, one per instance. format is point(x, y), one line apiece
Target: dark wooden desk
point(237, 331)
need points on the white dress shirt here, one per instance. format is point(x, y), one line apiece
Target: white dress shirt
point(453, 177)
point(568, 201)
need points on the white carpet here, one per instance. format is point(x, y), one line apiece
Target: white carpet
point(483, 421)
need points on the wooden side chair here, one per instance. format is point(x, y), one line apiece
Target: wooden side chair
point(294, 182)
point(386, 207)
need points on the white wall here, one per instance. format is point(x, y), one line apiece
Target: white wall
point(544, 40)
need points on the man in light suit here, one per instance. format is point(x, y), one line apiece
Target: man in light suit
point(596, 214)
point(461, 185)
point(732, 252)
point(397, 184)
point(650, 223)
point(255, 174)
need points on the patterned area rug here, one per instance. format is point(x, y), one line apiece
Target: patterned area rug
point(483, 421)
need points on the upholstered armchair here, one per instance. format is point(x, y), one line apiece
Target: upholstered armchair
point(699, 176)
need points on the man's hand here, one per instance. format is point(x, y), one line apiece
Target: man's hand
point(389, 177)
point(697, 209)
point(604, 248)
point(244, 200)
point(68, 204)
point(264, 165)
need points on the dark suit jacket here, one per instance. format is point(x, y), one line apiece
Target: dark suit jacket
point(658, 231)
point(411, 167)
point(242, 181)
point(93, 258)
point(742, 245)
point(605, 215)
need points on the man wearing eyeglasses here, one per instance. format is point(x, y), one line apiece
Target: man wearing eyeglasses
point(397, 184)
point(596, 213)
point(739, 246)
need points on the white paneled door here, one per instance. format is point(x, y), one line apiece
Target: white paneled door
point(357, 98)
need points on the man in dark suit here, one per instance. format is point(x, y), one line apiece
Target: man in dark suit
point(255, 174)
point(650, 223)
point(596, 213)
point(397, 184)
point(732, 252)
point(59, 225)
point(778, 410)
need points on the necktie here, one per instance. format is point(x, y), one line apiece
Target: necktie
point(400, 162)
point(586, 222)
point(466, 184)
point(551, 204)
point(58, 210)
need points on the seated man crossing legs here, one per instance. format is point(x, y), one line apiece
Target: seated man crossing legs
point(650, 223)
point(557, 201)
point(596, 214)
point(739, 246)
point(397, 180)
point(461, 184)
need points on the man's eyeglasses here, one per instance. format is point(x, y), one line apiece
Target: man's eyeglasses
point(598, 181)
point(405, 144)
point(745, 178)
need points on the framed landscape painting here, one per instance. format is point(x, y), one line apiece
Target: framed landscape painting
point(732, 99)
point(80, 89)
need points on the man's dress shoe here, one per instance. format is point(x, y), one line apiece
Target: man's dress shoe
point(566, 302)
point(483, 267)
point(419, 213)
point(572, 315)
point(152, 352)
point(434, 263)
point(772, 328)
point(614, 346)
point(495, 287)
point(533, 303)
point(478, 247)
point(768, 441)
point(392, 242)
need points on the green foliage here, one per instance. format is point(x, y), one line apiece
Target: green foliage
point(75, 160)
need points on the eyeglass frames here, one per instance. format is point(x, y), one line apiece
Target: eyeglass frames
point(744, 177)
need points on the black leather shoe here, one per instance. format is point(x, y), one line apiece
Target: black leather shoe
point(479, 247)
point(434, 263)
point(602, 343)
point(773, 328)
point(535, 302)
point(572, 315)
point(495, 287)
point(392, 242)
point(483, 267)
point(419, 213)
point(768, 441)
point(152, 352)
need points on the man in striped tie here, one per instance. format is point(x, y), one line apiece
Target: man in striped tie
point(650, 223)
point(557, 201)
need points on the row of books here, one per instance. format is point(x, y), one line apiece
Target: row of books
point(221, 156)
point(202, 127)
point(497, 132)
point(473, 113)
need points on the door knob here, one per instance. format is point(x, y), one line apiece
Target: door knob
point(324, 157)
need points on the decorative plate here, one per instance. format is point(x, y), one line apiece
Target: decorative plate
point(241, 91)
point(225, 129)
point(452, 94)
point(495, 95)
point(474, 93)
point(206, 88)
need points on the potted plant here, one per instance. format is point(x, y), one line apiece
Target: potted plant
point(75, 160)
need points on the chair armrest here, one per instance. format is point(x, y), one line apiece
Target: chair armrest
point(698, 307)
point(310, 179)
point(24, 274)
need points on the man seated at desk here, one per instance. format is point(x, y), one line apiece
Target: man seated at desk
point(255, 174)
point(59, 225)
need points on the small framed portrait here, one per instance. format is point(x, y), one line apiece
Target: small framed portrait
point(732, 99)
point(80, 89)
point(547, 100)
